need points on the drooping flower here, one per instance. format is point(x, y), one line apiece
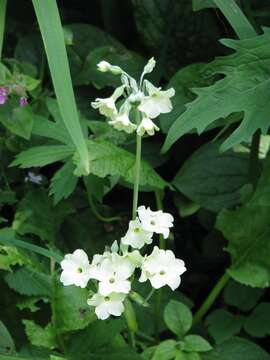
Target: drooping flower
point(3, 95)
point(107, 305)
point(107, 106)
point(157, 102)
point(121, 120)
point(162, 268)
point(148, 126)
point(136, 236)
point(23, 101)
point(104, 66)
point(76, 269)
point(113, 274)
point(155, 221)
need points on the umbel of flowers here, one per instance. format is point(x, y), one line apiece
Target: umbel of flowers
point(141, 98)
point(114, 271)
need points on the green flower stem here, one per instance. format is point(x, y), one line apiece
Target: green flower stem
point(211, 298)
point(3, 8)
point(97, 214)
point(137, 173)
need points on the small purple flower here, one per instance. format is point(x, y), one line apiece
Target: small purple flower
point(3, 95)
point(23, 101)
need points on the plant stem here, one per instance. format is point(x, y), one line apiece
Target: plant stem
point(97, 214)
point(211, 298)
point(3, 8)
point(254, 166)
point(137, 170)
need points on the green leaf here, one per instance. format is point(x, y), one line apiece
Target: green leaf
point(108, 159)
point(178, 318)
point(241, 296)
point(256, 324)
point(202, 4)
point(39, 336)
point(42, 155)
point(103, 131)
point(239, 349)
point(63, 182)
point(247, 231)
point(36, 215)
point(129, 61)
point(7, 345)
point(31, 303)
point(18, 120)
point(235, 92)
point(72, 311)
point(166, 350)
point(196, 343)
point(54, 43)
point(213, 179)
point(10, 256)
point(28, 281)
point(3, 7)
point(222, 325)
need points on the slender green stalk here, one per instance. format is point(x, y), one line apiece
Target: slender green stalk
point(97, 214)
point(211, 298)
point(137, 171)
point(3, 8)
point(254, 165)
point(236, 18)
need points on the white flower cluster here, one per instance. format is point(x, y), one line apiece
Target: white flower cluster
point(143, 98)
point(113, 271)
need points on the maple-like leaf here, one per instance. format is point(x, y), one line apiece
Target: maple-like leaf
point(245, 88)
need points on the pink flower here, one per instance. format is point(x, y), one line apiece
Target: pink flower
point(3, 95)
point(23, 101)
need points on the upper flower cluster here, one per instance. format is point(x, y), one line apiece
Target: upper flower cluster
point(113, 271)
point(5, 91)
point(144, 99)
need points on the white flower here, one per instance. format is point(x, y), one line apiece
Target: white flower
point(104, 66)
point(155, 221)
point(162, 268)
point(149, 67)
point(107, 305)
point(136, 236)
point(147, 125)
point(107, 106)
point(76, 269)
point(33, 178)
point(158, 102)
point(121, 121)
point(113, 273)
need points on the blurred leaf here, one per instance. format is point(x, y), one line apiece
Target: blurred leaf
point(213, 179)
point(7, 197)
point(247, 231)
point(72, 311)
point(7, 345)
point(39, 336)
point(29, 281)
point(166, 350)
point(196, 343)
point(29, 49)
point(202, 4)
point(256, 324)
point(31, 303)
point(63, 182)
point(178, 318)
point(103, 131)
point(235, 92)
point(10, 256)
point(222, 325)
point(241, 296)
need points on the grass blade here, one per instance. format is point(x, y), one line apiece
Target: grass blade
point(3, 8)
point(53, 37)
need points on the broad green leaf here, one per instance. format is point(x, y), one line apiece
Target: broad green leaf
point(196, 343)
point(247, 231)
point(178, 318)
point(166, 350)
point(222, 325)
point(235, 92)
point(42, 155)
point(241, 296)
point(10, 256)
point(213, 179)
point(36, 215)
point(239, 349)
point(29, 49)
point(39, 336)
point(18, 120)
point(256, 324)
point(72, 311)
point(28, 281)
point(108, 159)
point(63, 182)
point(54, 43)
point(7, 345)
point(30, 303)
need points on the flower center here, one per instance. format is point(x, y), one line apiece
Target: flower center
point(79, 270)
point(112, 280)
point(137, 230)
point(162, 272)
point(152, 222)
point(107, 298)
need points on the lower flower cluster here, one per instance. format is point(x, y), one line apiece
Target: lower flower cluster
point(114, 271)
